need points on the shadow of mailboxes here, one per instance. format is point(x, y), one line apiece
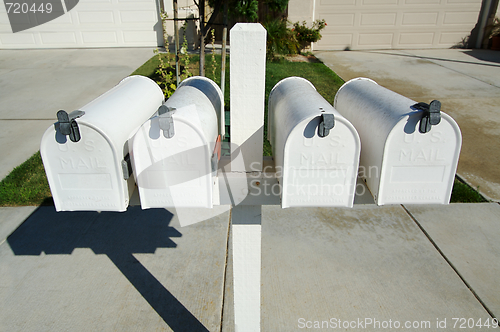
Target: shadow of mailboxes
point(117, 235)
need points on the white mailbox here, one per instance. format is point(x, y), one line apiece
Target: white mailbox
point(409, 150)
point(86, 153)
point(316, 150)
point(176, 152)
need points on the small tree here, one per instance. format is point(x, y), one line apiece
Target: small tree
point(305, 36)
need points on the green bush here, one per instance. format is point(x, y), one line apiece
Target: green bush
point(238, 9)
point(277, 5)
point(494, 28)
point(303, 34)
point(280, 38)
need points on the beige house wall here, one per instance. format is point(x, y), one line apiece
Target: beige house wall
point(301, 10)
point(102, 23)
point(388, 24)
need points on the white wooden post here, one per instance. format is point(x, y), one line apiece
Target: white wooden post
point(246, 231)
point(247, 80)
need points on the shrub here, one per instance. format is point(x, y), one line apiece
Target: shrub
point(303, 34)
point(494, 28)
point(277, 5)
point(280, 38)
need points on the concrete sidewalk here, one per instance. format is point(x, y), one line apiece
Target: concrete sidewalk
point(467, 82)
point(35, 84)
point(139, 270)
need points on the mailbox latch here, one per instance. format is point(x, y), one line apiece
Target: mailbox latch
point(326, 123)
point(68, 125)
point(431, 116)
point(166, 122)
point(127, 167)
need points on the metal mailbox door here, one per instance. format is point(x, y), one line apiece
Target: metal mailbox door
point(409, 150)
point(316, 150)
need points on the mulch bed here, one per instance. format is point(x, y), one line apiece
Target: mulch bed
point(301, 58)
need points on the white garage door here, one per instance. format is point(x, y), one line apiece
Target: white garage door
point(92, 23)
point(382, 24)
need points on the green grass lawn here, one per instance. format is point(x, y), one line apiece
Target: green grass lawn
point(463, 193)
point(27, 183)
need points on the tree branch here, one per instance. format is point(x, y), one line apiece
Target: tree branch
point(208, 25)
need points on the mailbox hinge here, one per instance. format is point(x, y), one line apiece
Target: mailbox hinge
point(166, 122)
point(68, 125)
point(126, 167)
point(326, 123)
point(431, 115)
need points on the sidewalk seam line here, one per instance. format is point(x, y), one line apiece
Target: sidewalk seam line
point(225, 271)
point(449, 262)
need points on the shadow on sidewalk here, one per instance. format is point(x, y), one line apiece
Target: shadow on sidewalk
point(484, 55)
point(117, 235)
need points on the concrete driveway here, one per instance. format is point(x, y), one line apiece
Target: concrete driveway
point(35, 84)
point(467, 82)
